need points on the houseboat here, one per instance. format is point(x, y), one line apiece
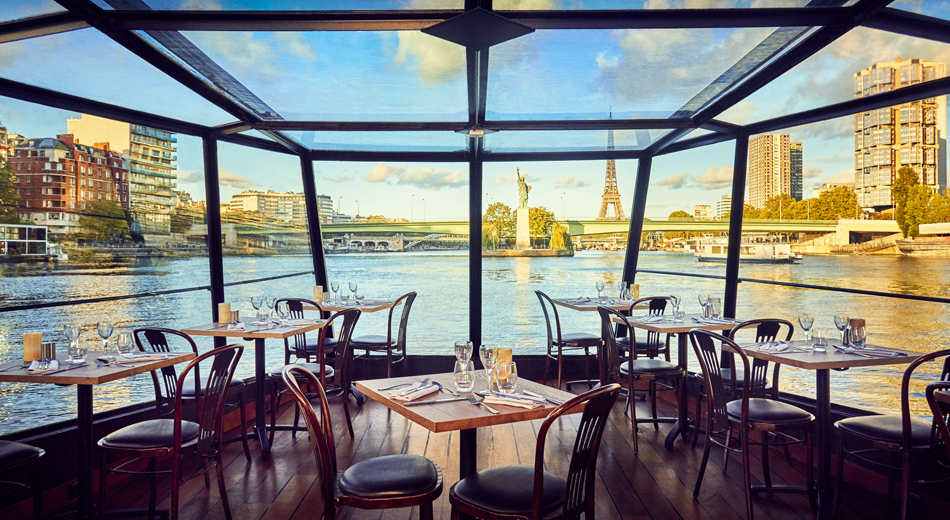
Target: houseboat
point(752, 249)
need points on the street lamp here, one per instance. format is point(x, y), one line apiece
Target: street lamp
point(423, 210)
point(339, 204)
point(412, 205)
point(563, 205)
point(357, 208)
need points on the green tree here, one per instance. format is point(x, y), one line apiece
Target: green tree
point(376, 218)
point(678, 215)
point(783, 207)
point(838, 203)
point(9, 200)
point(497, 222)
point(917, 208)
point(906, 179)
point(560, 239)
point(539, 221)
point(104, 220)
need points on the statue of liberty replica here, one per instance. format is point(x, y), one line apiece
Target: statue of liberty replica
point(523, 190)
point(522, 221)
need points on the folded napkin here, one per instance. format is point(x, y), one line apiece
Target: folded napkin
point(774, 346)
point(578, 300)
point(512, 401)
point(424, 391)
point(296, 323)
point(238, 326)
point(34, 367)
point(714, 321)
point(141, 358)
point(870, 352)
point(652, 319)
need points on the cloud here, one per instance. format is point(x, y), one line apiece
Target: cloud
point(226, 178)
point(190, 177)
point(810, 172)
point(716, 178)
point(382, 172)
point(846, 175)
point(340, 178)
point(504, 178)
point(607, 63)
point(569, 181)
point(258, 54)
point(297, 45)
point(434, 60)
point(425, 178)
point(675, 182)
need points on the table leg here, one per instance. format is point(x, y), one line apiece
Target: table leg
point(823, 441)
point(260, 408)
point(86, 450)
point(682, 424)
point(468, 452)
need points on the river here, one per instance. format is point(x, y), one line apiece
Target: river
point(512, 314)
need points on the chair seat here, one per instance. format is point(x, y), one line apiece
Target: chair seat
point(642, 346)
point(13, 454)
point(581, 338)
point(312, 367)
point(390, 476)
point(189, 389)
point(157, 433)
point(887, 428)
point(370, 341)
point(768, 411)
point(651, 366)
point(313, 344)
point(509, 490)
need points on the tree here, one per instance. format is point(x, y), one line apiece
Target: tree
point(906, 179)
point(9, 200)
point(104, 220)
point(783, 207)
point(539, 221)
point(916, 209)
point(560, 239)
point(376, 218)
point(838, 203)
point(496, 222)
point(678, 215)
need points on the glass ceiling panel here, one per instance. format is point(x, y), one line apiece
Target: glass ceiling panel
point(935, 8)
point(383, 141)
point(87, 63)
point(281, 5)
point(574, 74)
point(329, 76)
point(828, 76)
point(16, 9)
point(570, 140)
point(503, 5)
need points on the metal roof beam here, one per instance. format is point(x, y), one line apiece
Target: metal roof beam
point(586, 155)
point(378, 156)
point(680, 18)
point(42, 25)
point(910, 24)
point(496, 125)
point(722, 127)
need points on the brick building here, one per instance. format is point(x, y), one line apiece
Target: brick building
point(58, 179)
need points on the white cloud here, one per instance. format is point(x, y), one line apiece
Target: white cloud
point(425, 178)
point(569, 181)
point(297, 45)
point(607, 63)
point(846, 175)
point(245, 53)
point(226, 178)
point(434, 60)
point(810, 172)
point(382, 172)
point(716, 178)
point(675, 182)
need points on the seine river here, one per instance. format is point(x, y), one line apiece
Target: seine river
point(512, 315)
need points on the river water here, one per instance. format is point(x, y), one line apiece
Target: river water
point(512, 315)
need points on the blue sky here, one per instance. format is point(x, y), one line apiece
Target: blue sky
point(413, 77)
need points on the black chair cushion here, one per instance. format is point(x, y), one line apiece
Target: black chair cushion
point(651, 367)
point(313, 344)
point(389, 477)
point(510, 490)
point(581, 338)
point(157, 433)
point(768, 411)
point(13, 454)
point(624, 344)
point(369, 341)
point(189, 389)
point(887, 428)
point(312, 367)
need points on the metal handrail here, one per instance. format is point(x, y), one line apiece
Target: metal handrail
point(809, 286)
point(142, 295)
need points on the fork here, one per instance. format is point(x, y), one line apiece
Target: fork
point(476, 402)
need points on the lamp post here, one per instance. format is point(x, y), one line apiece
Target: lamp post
point(339, 204)
point(423, 210)
point(412, 204)
point(357, 208)
point(563, 205)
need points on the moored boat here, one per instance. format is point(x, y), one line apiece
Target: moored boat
point(752, 249)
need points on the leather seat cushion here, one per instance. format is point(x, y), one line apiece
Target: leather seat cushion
point(510, 490)
point(390, 476)
point(157, 433)
point(369, 341)
point(313, 344)
point(13, 454)
point(887, 428)
point(189, 389)
point(314, 368)
point(768, 411)
point(650, 366)
point(642, 346)
point(582, 338)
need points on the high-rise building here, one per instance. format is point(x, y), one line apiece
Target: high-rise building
point(723, 206)
point(151, 154)
point(911, 134)
point(325, 209)
point(703, 212)
point(770, 168)
point(795, 170)
point(289, 206)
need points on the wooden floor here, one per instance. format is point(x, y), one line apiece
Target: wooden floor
point(658, 484)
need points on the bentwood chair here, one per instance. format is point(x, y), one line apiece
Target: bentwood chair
point(379, 343)
point(627, 373)
point(747, 414)
point(156, 339)
point(388, 482)
point(160, 438)
point(17, 458)
point(915, 450)
point(559, 341)
point(526, 492)
point(649, 347)
point(343, 367)
point(303, 346)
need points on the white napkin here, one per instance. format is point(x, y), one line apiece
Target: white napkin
point(238, 326)
point(714, 321)
point(774, 346)
point(141, 358)
point(34, 367)
point(296, 323)
point(578, 300)
point(652, 319)
point(870, 352)
point(394, 394)
point(507, 401)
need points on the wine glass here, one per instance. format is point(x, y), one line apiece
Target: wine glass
point(703, 302)
point(72, 332)
point(353, 287)
point(463, 351)
point(335, 287)
point(488, 356)
point(806, 321)
point(256, 302)
point(675, 300)
point(622, 285)
point(841, 322)
point(270, 301)
point(600, 290)
point(281, 314)
point(104, 328)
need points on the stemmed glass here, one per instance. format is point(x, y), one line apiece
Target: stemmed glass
point(281, 314)
point(806, 321)
point(622, 285)
point(335, 287)
point(104, 328)
point(256, 302)
point(353, 287)
point(72, 331)
point(270, 301)
point(841, 322)
point(675, 300)
point(488, 356)
point(463, 351)
point(715, 308)
point(704, 302)
point(600, 291)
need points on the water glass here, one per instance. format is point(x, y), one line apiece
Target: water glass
point(806, 321)
point(679, 313)
point(506, 375)
point(463, 351)
point(464, 375)
point(77, 351)
point(123, 343)
point(858, 336)
point(820, 340)
point(360, 296)
point(715, 308)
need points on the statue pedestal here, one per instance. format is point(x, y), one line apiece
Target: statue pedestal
point(522, 229)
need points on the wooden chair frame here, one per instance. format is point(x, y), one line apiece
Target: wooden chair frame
point(556, 341)
point(398, 346)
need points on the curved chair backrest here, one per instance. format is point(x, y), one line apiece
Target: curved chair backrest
point(704, 344)
point(905, 393)
point(609, 357)
point(582, 470)
point(155, 339)
point(941, 410)
point(295, 312)
point(545, 303)
point(657, 304)
point(321, 432)
point(209, 404)
point(766, 329)
point(406, 300)
point(654, 339)
point(344, 353)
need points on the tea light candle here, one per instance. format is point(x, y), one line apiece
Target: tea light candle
point(32, 341)
point(224, 312)
point(318, 293)
point(635, 291)
point(504, 355)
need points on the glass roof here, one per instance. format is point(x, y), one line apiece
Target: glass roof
point(935, 8)
point(281, 5)
point(574, 140)
point(381, 141)
point(16, 9)
point(502, 5)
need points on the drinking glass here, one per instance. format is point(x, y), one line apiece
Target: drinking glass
point(123, 343)
point(72, 331)
point(360, 296)
point(600, 291)
point(256, 302)
point(77, 351)
point(353, 287)
point(821, 340)
point(622, 285)
point(281, 311)
point(806, 321)
point(488, 356)
point(859, 335)
point(506, 374)
point(679, 313)
point(715, 308)
point(270, 301)
point(841, 322)
point(104, 328)
point(335, 287)
point(463, 351)
point(464, 375)
point(704, 302)
point(675, 300)
point(626, 295)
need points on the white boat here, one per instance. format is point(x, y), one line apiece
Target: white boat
point(752, 249)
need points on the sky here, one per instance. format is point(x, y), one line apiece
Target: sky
point(409, 76)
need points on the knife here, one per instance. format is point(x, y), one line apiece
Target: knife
point(64, 369)
point(449, 400)
point(411, 390)
point(548, 399)
point(15, 367)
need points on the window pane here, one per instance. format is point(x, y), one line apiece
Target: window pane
point(392, 141)
point(25, 8)
point(574, 140)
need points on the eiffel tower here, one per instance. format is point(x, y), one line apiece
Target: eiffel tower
point(611, 193)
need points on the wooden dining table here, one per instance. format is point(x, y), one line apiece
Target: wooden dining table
point(366, 306)
point(591, 304)
point(85, 378)
point(822, 363)
point(259, 333)
point(461, 415)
